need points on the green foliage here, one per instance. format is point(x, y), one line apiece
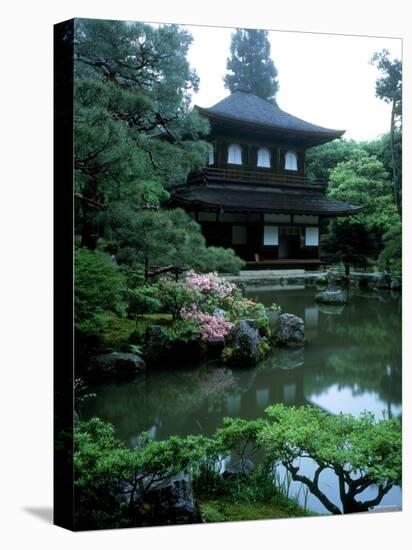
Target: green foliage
point(222, 260)
point(227, 354)
point(361, 451)
point(136, 137)
point(182, 331)
point(363, 181)
point(225, 508)
point(389, 89)
point(321, 160)
point(105, 467)
point(99, 288)
point(240, 436)
point(321, 281)
point(390, 259)
point(143, 300)
point(135, 277)
point(250, 65)
point(176, 295)
point(120, 332)
point(348, 243)
point(381, 149)
point(243, 308)
point(263, 348)
point(389, 84)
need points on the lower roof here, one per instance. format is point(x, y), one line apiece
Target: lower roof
point(260, 199)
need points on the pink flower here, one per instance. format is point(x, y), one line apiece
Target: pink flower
point(211, 327)
point(209, 284)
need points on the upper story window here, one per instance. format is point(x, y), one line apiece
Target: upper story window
point(291, 160)
point(263, 158)
point(234, 154)
point(211, 158)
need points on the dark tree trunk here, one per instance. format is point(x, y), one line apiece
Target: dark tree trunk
point(352, 506)
point(396, 184)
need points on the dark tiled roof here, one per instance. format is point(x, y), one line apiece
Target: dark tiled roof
point(259, 199)
point(246, 107)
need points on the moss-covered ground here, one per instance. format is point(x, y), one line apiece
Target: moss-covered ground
point(226, 509)
point(118, 330)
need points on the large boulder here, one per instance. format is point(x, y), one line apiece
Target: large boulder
point(242, 345)
point(332, 297)
point(172, 501)
point(290, 330)
point(161, 348)
point(115, 365)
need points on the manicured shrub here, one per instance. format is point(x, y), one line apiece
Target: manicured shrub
point(174, 296)
point(222, 260)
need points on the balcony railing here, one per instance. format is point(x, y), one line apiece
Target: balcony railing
point(230, 175)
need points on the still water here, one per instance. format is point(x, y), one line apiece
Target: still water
point(351, 363)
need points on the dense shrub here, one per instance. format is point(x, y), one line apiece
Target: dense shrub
point(143, 299)
point(174, 296)
point(222, 260)
point(390, 258)
point(211, 327)
point(111, 480)
point(99, 288)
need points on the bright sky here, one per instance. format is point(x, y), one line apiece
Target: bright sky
point(324, 79)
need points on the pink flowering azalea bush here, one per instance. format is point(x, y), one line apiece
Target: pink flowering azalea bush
point(211, 327)
point(213, 289)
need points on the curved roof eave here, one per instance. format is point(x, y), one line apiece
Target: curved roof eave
point(324, 133)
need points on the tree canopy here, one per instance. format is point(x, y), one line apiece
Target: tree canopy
point(135, 138)
point(250, 65)
point(361, 451)
point(361, 180)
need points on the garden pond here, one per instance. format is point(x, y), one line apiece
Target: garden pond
point(351, 362)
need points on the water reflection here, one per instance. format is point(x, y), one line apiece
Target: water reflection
point(351, 362)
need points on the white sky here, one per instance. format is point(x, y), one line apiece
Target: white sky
point(324, 79)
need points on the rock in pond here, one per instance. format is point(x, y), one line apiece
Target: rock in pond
point(242, 345)
point(173, 502)
point(290, 330)
point(396, 283)
point(115, 365)
point(332, 297)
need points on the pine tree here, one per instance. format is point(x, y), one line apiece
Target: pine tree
point(135, 137)
point(250, 65)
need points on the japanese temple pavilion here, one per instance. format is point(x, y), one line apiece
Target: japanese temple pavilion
point(253, 196)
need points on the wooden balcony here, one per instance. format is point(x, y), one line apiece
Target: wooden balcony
point(233, 175)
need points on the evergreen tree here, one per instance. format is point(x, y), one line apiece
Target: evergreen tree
point(361, 180)
point(135, 137)
point(389, 89)
point(250, 65)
